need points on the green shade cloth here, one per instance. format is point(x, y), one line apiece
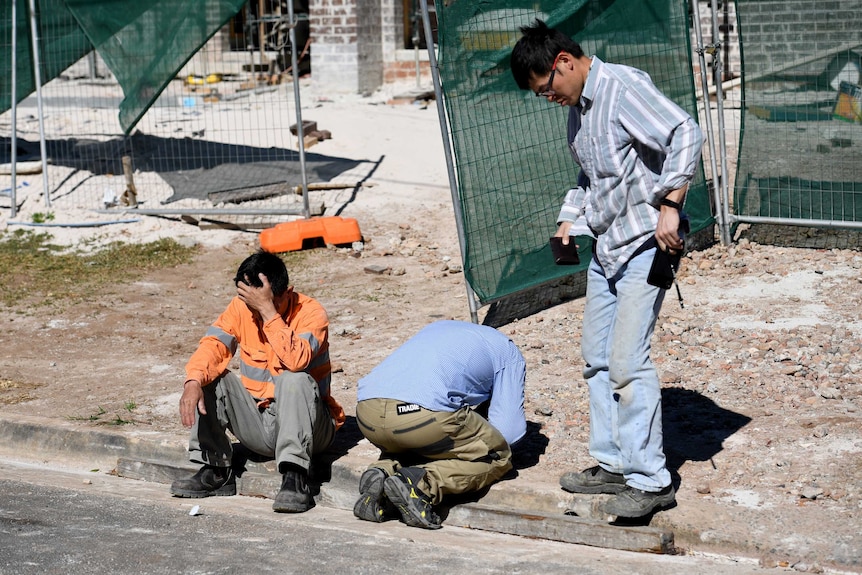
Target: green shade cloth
point(513, 166)
point(800, 137)
point(145, 44)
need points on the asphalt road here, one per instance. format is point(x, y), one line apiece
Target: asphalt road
point(56, 520)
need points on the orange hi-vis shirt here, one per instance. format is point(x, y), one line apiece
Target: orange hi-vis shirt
point(295, 340)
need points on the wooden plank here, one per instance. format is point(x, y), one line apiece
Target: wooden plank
point(252, 484)
point(565, 528)
point(151, 471)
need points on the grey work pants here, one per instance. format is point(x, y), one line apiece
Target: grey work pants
point(460, 451)
point(295, 426)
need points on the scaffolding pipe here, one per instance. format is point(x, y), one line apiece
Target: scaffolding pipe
point(37, 77)
point(798, 222)
point(300, 133)
point(717, 67)
point(720, 207)
point(210, 211)
point(14, 154)
point(447, 152)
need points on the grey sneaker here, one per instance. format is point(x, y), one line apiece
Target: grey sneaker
point(593, 480)
point(415, 506)
point(372, 504)
point(208, 481)
point(634, 502)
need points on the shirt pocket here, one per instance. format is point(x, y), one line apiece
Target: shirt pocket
point(606, 159)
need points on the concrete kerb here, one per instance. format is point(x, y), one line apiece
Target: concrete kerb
point(522, 506)
point(529, 511)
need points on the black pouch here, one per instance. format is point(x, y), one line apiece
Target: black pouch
point(663, 270)
point(662, 273)
point(565, 255)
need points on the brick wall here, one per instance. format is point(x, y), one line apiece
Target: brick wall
point(359, 45)
point(369, 45)
point(333, 27)
point(392, 27)
point(785, 29)
point(401, 71)
point(730, 57)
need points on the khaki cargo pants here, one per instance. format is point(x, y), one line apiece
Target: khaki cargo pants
point(459, 451)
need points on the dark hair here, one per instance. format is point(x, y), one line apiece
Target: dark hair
point(265, 263)
point(535, 52)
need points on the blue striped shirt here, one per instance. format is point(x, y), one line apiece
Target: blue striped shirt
point(452, 364)
point(634, 146)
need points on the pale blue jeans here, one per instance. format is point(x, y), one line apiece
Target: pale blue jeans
point(625, 394)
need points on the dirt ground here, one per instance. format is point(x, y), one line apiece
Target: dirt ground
point(761, 369)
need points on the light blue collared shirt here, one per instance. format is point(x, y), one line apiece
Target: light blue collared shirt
point(452, 364)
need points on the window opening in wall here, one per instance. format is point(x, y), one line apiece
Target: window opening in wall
point(414, 29)
point(268, 20)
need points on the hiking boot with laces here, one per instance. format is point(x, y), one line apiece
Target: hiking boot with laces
point(633, 502)
point(294, 496)
point(415, 507)
point(593, 480)
point(373, 504)
point(208, 481)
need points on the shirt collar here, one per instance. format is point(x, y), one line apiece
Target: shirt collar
point(588, 94)
point(287, 303)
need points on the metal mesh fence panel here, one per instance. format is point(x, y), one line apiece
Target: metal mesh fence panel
point(195, 130)
point(512, 162)
point(801, 140)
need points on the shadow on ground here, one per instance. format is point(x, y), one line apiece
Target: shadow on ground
point(695, 427)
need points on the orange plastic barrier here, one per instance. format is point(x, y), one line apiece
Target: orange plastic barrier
point(288, 236)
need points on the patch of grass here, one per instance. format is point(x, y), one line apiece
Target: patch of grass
point(92, 417)
point(33, 268)
point(100, 411)
point(13, 392)
point(117, 421)
point(41, 218)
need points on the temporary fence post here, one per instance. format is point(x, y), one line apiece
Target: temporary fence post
point(720, 207)
point(300, 133)
point(37, 77)
point(719, 108)
point(447, 152)
point(14, 155)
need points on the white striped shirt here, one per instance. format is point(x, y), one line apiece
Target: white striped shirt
point(634, 145)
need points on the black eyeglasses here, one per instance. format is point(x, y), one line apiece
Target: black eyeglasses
point(548, 90)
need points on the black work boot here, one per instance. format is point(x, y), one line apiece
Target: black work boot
point(208, 481)
point(294, 496)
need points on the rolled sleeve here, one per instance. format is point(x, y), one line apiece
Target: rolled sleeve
point(506, 412)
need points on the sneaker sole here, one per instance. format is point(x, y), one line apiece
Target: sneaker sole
point(658, 504)
point(606, 488)
point(291, 507)
point(368, 507)
point(399, 494)
point(223, 491)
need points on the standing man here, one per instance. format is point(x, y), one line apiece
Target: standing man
point(419, 408)
point(637, 151)
point(279, 404)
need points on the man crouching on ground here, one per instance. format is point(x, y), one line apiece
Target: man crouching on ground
point(279, 405)
point(419, 408)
